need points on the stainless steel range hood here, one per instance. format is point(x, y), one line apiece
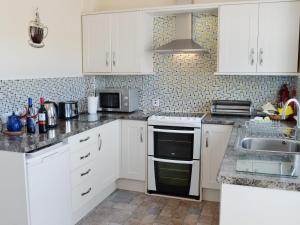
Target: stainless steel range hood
point(183, 42)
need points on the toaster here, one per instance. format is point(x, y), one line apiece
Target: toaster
point(68, 110)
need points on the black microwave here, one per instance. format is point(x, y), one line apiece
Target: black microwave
point(118, 100)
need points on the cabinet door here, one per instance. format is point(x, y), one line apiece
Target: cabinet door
point(96, 43)
point(238, 30)
point(124, 42)
point(278, 43)
point(134, 144)
point(107, 161)
point(215, 140)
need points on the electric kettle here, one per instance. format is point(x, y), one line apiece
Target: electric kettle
point(52, 110)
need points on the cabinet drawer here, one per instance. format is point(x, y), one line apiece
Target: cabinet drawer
point(84, 156)
point(83, 174)
point(82, 194)
point(83, 139)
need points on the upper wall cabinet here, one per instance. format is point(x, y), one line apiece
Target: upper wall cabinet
point(259, 38)
point(117, 43)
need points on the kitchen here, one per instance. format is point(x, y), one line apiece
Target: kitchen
point(106, 48)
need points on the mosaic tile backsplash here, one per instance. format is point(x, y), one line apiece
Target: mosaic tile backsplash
point(187, 82)
point(14, 93)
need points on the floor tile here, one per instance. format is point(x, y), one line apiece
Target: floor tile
point(133, 208)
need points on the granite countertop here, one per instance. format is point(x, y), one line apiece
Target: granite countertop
point(27, 143)
point(229, 175)
point(224, 120)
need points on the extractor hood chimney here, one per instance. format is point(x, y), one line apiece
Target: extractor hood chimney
point(183, 42)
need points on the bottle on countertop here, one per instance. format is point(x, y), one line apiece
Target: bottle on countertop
point(283, 95)
point(42, 117)
point(30, 118)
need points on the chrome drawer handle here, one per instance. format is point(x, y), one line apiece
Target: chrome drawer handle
point(114, 59)
point(261, 58)
point(86, 173)
point(85, 156)
point(86, 139)
point(141, 135)
point(206, 143)
point(252, 56)
point(99, 142)
point(85, 193)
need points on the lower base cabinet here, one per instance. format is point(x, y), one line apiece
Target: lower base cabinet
point(214, 144)
point(133, 150)
point(245, 205)
point(60, 189)
point(95, 167)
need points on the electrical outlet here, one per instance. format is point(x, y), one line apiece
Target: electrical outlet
point(155, 102)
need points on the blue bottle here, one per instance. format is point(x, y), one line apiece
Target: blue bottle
point(30, 118)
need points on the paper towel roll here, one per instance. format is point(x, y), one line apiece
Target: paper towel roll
point(93, 104)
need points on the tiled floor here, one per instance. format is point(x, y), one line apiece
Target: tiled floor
point(133, 208)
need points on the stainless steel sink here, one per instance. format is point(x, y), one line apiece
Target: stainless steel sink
point(270, 145)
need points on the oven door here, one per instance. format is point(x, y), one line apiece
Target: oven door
point(174, 143)
point(110, 101)
point(174, 177)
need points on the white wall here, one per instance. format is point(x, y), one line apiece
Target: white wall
point(62, 54)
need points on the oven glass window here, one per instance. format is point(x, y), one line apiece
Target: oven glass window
point(177, 146)
point(110, 100)
point(173, 179)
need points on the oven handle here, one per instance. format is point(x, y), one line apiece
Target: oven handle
point(174, 131)
point(173, 161)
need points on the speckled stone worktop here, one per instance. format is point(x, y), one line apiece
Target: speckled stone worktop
point(229, 175)
point(224, 120)
point(27, 143)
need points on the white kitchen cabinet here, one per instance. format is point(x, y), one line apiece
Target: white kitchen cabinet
point(49, 186)
point(259, 38)
point(107, 162)
point(35, 188)
point(133, 151)
point(96, 49)
point(214, 144)
point(238, 31)
point(254, 205)
point(117, 43)
point(95, 166)
point(278, 42)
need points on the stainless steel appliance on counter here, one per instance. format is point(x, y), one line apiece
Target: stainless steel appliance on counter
point(118, 100)
point(231, 107)
point(68, 110)
point(174, 153)
point(52, 111)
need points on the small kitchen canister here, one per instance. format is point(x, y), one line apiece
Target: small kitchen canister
point(93, 104)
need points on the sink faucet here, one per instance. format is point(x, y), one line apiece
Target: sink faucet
point(298, 110)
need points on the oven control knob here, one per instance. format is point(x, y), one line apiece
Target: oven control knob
point(126, 97)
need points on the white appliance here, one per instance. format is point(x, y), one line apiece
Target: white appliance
point(118, 100)
point(174, 153)
point(49, 186)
